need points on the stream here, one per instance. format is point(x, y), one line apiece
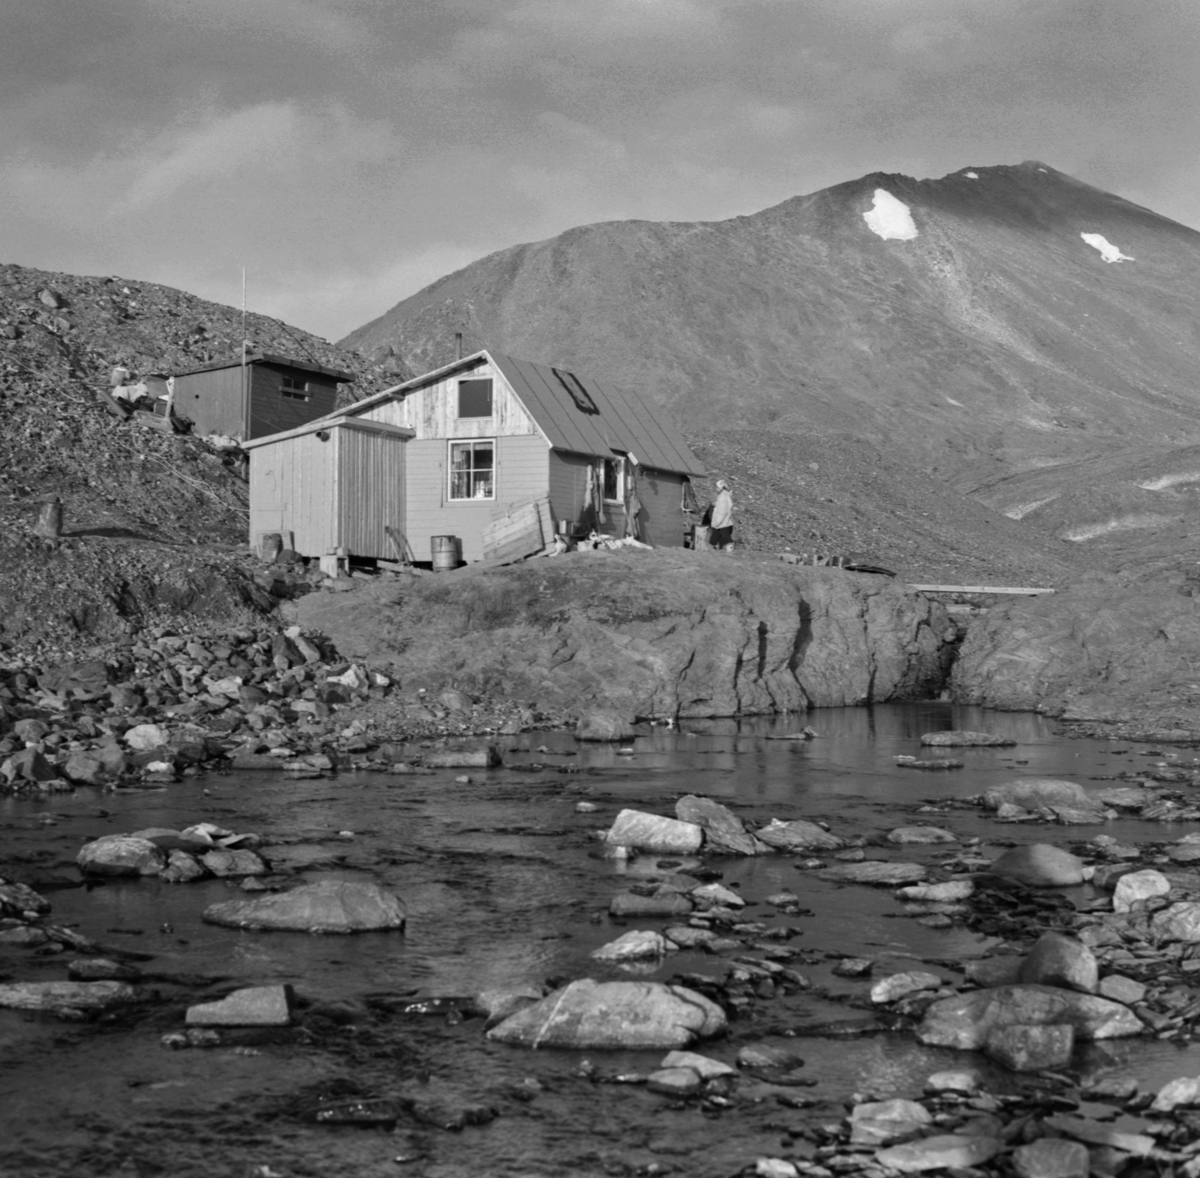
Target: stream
point(506, 884)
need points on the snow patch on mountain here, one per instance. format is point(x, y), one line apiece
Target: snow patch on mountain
point(1021, 510)
point(1108, 251)
point(890, 218)
point(971, 175)
point(1170, 480)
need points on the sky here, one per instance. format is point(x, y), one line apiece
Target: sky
point(349, 152)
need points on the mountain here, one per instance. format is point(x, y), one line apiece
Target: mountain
point(994, 321)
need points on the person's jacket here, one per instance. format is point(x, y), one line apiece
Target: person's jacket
point(722, 516)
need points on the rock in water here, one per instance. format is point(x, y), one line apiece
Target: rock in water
point(603, 725)
point(255, 1006)
point(652, 832)
point(1058, 960)
point(1032, 1049)
point(798, 836)
point(723, 830)
point(961, 739)
point(328, 906)
point(1138, 886)
point(877, 873)
point(950, 1151)
point(906, 835)
point(965, 1020)
point(597, 1015)
point(1039, 865)
point(1180, 922)
point(66, 995)
point(121, 854)
point(1035, 793)
point(1051, 1157)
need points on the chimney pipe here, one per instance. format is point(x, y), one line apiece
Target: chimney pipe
point(458, 345)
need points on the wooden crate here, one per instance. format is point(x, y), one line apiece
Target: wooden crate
point(522, 530)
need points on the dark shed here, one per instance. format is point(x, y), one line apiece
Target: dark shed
point(265, 396)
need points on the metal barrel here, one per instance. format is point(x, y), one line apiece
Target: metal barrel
point(445, 553)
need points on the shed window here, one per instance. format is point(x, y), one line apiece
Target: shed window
point(472, 470)
point(292, 388)
point(614, 480)
point(475, 397)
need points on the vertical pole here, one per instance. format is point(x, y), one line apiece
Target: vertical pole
point(245, 382)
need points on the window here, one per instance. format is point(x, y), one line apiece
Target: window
point(475, 397)
point(292, 388)
point(614, 480)
point(472, 470)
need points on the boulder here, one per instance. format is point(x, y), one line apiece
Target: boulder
point(1137, 887)
point(144, 737)
point(327, 906)
point(715, 895)
point(798, 835)
point(880, 1122)
point(679, 1082)
point(630, 1015)
point(1059, 960)
point(724, 832)
point(1039, 865)
point(21, 902)
point(948, 892)
point(121, 854)
point(1181, 1093)
point(988, 972)
point(964, 1021)
point(900, 985)
point(1036, 793)
point(664, 902)
point(1179, 922)
point(959, 738)
point(241, 862)
point(1121, 989)
point(949, 1151)
point(1031, 1048)
point(1051, 1157)
point(602, 725)
point(255, 1006)
point(55, 996)
point(920, 834)
point(27, 765)
point(84, 769)
point(705, 1068)
point(652, 832)
point(876, 873)
point(634, 945)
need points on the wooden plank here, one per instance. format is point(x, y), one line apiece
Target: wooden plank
point(404, 553)
point(1020, 591)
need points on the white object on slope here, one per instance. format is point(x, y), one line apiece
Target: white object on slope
point(890, 218)
point(1108, 251)
point(972, 175)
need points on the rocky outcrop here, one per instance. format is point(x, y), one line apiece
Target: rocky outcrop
point(663, 633)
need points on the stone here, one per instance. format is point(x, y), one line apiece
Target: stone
point(724, 832)
point(1059, 960)
point(84, 769)
point(27, 765)
point(327, 906)
point(854, 967)
point(876, 872)
point(959, 738)
point(652, 832)
point(900, 985)
point(1035, 793)
point(920, 834)
point(1095, 1133)
point(101, 969)
point(602, 725)
point(767, 1057)
point(948, 892)
point(1137, 887)
point(798, 835)
point(964, 1021)
point(456, 701)
point(596, 1015)
point(634, 945)
point(663, 903)
point(241, 862)
point(1031, 1048)
point(498, 1004)
point(1119, 988)
point(54, 996)
point(28, 935)
point(254, 1006)
point(484, 758)
point(1039, 865)
point(119, 854)
point(30, 731)
point(966, 1082)
point(880, 1122)
point(686, 937)
point(1181, 1093)
point(775, 1168)
point(1179, 922)
point(702, 1065)
point(21, 901)
point(947, 1151)
point(674, 1082)
point(715, 895)
point(1051, 1157)
point(144, 737)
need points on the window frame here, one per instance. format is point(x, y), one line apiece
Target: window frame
point(458, 389)
point(618, 466)
point(290, 392)
point(472, 472)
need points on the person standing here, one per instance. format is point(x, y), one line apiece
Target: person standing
point(720, 534)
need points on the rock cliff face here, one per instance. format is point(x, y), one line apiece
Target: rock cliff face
point(1108, 648)
point(660, 633)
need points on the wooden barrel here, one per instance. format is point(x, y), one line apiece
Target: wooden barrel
point(445, 553)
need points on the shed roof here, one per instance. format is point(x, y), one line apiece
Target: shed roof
point(336, 421)
point(579, 414)
point(271, 358)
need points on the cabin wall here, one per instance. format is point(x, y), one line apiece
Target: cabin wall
point(293, 488)
point(271, 412)
point(662, 519)
point(432, 412)
point(212, 401)
point(371, 490)
point(568, 485)
point(522, 473)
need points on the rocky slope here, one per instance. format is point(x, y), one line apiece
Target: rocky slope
point(642, 632)
point(984, 336)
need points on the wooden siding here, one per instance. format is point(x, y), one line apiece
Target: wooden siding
point(522, 473)
point(568, 485)
point(271, 412)
point(293, 487)
point(662, 518)
point(432, 412)
point(212, 401)
point(370, 490)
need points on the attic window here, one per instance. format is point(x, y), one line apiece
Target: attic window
point(291, 388)
point(475, 397)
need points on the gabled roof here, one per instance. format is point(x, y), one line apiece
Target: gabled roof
point(270, 358)
point(578, 414)
point(333, 421)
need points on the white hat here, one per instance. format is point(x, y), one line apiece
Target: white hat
point(722, 485)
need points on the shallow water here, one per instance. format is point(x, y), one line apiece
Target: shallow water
point(505, 885)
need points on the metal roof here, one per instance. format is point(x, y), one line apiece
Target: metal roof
point(270, 358)
point(578, 414)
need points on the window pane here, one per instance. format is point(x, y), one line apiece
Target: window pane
point(483, 485)
point(475, 397)
point(460, 485)
point(483, 456)
point(460, 457)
